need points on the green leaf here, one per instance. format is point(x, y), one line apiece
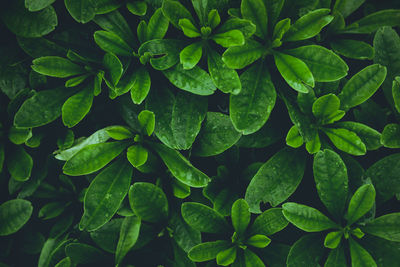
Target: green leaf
point(76, 107)
point(384, 252)
point(191, 55)
point(19, 164)
point(19, 136)
point(396, 93)
point(105, 195)
point(14, 214)
point(188, 28)
point(250, 109)
point(226, 79)
point(361, 202)
point(56, 67)
point(213, 19)
point(390, 136)
point(362, 86)
point(148, 202)
point(294, 71)
point(274, 8)
point(83, 254)
point(179, 117)
point(203, 218)
point(386, 226)
point(330, 174)
point(346, 7)
point(372, 22)
point(113, 68)
point(359, 256)
point(195, 80)
point(93, 157)
point(112, 43)
point(258, 241)
point(276, 180)
point(325, 108)
point(75, 81)
point(158, 25)
point(165, 52)
point(27, 24)
point(279, 30)
point(308, 25)
point(240, 215)
point(184, 235)
point(324, 65)
point(346, 141)
point(36, 5)
point(242, 56)
point(141, 85)
point(370, 137)
point(229, 38)
point(293, 137)
point(251, 259)
point(51, 210)
point(227, 256)
point(82, 11)
point(314, 145)
point(106, 237)
point(147, 120)
point(174, 11)
point(137, 155)
point(383, 174)
point(243, 25)
point(269, 222)
point(255, 11)
point(208, 250)
point(216, 135)
point(127, 237)
point(336, 257)
point(138, 8)
point(305, 252)
point(332, 239)
point(66, 262)
point(306, 218)
point(119, 132)
point(353, 49)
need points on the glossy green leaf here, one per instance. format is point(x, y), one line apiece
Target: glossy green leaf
point(346, 141)
point(137, 155)
point(19, 164)
point(164, 52)
point(242, 56)
point(184, 235)
point(306, 218)
point(14, 214)
point(141, 85)
point(294, 71)
point(250, 109)
point(82, 11)
point(203, 218)
point(191, 55)
point(51, 210)
point(81, 253)
point(276, 180)
point(188, 28)
point(373, 21)
point(269, 222)
point(346, 7)
point(106, 237)
point(353, 49)
point(112, 43)
point(113, 68)
point(76, 107)
point(138, 8)
point(127, 237)
point(330, 175)
point(148, 202)
point(332, 239)
point(308, 25)
point(370, 137)
point(19, 136)
point(361, 202)
point(324, 65)
point(258, 241)
point(56, 67)
point(255, 11)
point(293, 137)
point(147, 121)
point(386, 226)
point(175, 11)
point(240, 215)
point(314, 145)
point(66, 262)
point(336, 257)
point(245, 26)
point(227, 256)
point(251, 259)
point(93, 157)
point(229, 38)
point(208, 250)
point(216, 135)
point(325, 108)
point(213, 18)
point(119, 132)
point(157, 26)
point(359, 256)
point(362, 86)
point(36, 5)
point(390, 136)
point(279, 30)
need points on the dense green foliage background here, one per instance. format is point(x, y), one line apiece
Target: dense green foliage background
point(200, 133)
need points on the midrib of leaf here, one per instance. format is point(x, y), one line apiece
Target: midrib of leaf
point(363, 196)
point(291, 69)
point(310, 22)
point(343, 138)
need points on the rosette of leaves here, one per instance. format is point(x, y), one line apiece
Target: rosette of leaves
point(313, 116)
point(331, 180)
point(207, 30)
point(237, 251)
point(300, 65)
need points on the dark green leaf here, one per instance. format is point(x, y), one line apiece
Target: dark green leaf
point(353, 49)
point(359, 256)
point(255, 11)
point(175, 11)
point(19, 164)
point(386, 226)
point(372, 22)
point(13, 215)
point(76, 107)
point(56, 67)
point(82, 11)
point(127, 238)
point(306, 252)
point(242, 56)
point(112, 43)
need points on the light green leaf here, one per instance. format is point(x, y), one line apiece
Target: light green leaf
point(216, 135)
point(119, 132)
point(324, 65)
point(66, 262)
point(113, 68)
point(19, 136)
point(250, 109)
point(269, 222)
point(353, 49)
point(255, 11)
point(346, 141)
point(191, 55)
point(203, 218)
point(314, 145)
point(396, 93)
point(362, 86)
point(188, 28)
point(19, 164)
point(258, 241)
point(36, 5)
point(325, 108)
point(147, 120)
point(14, 214)
point(75, 81)
point(274, 8)
point(93, 157)
point(308, 25)
point(158, 25)
point(180, 167)
point(372, 22)
point(243, 25)
point(240, 215)
point(174, 11)
point(213, 19)
point(251, 259)
point(227, 256)
point(208, 250)
point(306, 218)
point(361, 202)
point(51, 210)
point(105, 195)
point(359, 256)
point(76, 107)
point(279, 30)
point(242, 56)
point(56, 67)
point(196, 80)
point(293, 137)
point(391, 136)
point(276, 180)
point(294, 71)
point(138, 8)
point(370, 137)
point(137, 155)
point(127, 237)
point(112, 43)
point(386, 226)
point(82, 11)
point(330, 175)
point(332, 239)
point(141, 85)
point(229, 38)
point(164, 52)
